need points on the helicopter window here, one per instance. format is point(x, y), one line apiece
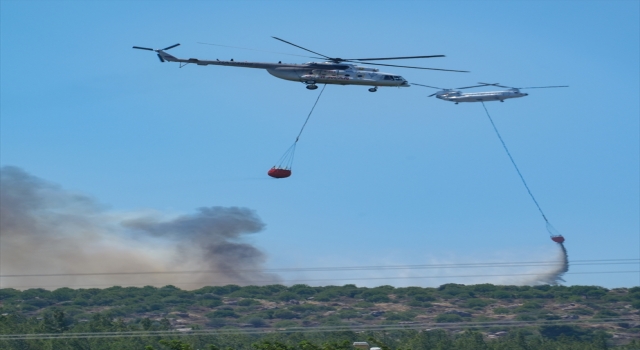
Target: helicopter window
point(397, 78)
point(359, 75)
point(388, 77)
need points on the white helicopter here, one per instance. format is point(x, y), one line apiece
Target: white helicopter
point(456, 96)
point(334, 70)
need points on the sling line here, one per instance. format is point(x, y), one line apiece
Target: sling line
point(309, 116)
point(514, 163)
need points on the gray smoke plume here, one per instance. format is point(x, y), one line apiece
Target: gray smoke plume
point(70, 240)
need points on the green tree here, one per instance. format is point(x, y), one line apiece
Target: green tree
point(471, 341)
point(448, 318)
point(54, 322)
point(307, 345)
point(146, 323)
point(165, 324)
point(267, 345)
point(557, 331)
point(378, 343)
point(176, 345)
point(257, 322)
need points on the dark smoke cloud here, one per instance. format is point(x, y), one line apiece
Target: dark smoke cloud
point(216, 231)
point(46, 230)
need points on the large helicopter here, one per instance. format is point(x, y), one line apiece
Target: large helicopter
point(454, 95)
point(335, 70)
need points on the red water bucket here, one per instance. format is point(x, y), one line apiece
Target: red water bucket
point(279, 173)
point(557, 239)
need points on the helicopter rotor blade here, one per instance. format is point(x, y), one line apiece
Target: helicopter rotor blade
point(300, 47)
point(170, 47)
point(429, 86)
point(338, 60)
point(246, 48)
point(143, 48)
point(469, 87)
point(393, 65)
point(161, 59)
point(529, 87)
point(442, 90)
point(391, 58)
point(543, 87)
point(502, 86)
point(494, 84)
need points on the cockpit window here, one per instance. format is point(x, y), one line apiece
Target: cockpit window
point(388, 77)
point(395, 77)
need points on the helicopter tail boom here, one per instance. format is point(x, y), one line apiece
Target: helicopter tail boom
point(166, 57)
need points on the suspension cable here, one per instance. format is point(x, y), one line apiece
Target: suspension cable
point(514, 163)
point(309, 116)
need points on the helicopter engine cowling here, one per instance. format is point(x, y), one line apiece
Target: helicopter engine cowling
point(288, 73)
point(367, 69)
point(332, 72)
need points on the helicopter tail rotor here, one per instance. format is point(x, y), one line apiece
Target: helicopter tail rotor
point(170, 47)
point(156, 50)
point(159, 51)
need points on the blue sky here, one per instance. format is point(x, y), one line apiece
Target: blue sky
point(387, 178)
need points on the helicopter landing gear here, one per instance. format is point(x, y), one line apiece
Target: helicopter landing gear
point(501, 100)
point(457, 102)
point(311, 84)
point(373, 89)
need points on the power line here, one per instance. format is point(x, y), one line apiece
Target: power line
point(317, 329)
point(347, 268)
point(295, 281)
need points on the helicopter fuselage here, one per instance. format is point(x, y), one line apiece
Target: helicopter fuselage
point(310, 73)
point(457, 96)
point(340, 74)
